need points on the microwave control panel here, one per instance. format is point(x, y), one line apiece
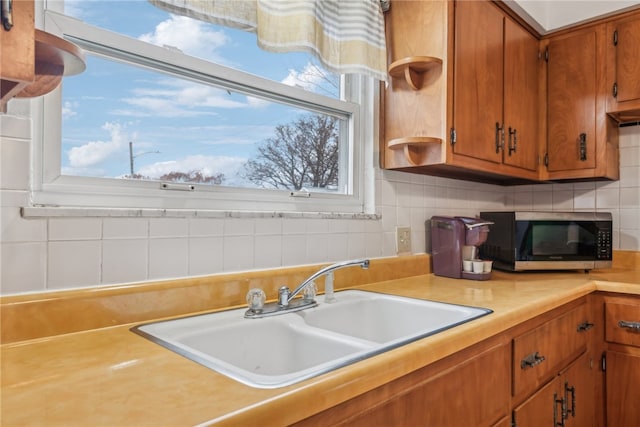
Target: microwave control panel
point(604, 244)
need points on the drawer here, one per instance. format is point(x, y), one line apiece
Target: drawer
point(542, 352)
point(622, 321)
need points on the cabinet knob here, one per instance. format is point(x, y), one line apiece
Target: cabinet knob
point(6, 10)
point(531, 360)
point(634, 326)
point(499, 137)
point(513, 140)
point(584, 326)
point(583, 147)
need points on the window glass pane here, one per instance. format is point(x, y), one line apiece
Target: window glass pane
point(122, 121)
point(222, 45)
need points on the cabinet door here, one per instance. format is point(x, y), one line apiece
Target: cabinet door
point(520, 97)
point(622, 379)
point(478, 79)
point(578, 388)
point(571, 102)
point(544, 408)
point(473, 392)
point(567, 400)
point(628, 60)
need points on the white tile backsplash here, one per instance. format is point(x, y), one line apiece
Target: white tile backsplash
point(205, 255)
point(14, 164)
point(168, 258)
point(124, 260)
point(23, 267)
point(45, 254)
point(75, 229)
point(73, 264)
point(125, 228)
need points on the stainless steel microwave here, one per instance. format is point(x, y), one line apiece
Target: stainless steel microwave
point(519, 241)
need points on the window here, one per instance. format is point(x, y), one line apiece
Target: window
point(177, 113)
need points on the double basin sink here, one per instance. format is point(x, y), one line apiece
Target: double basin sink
point(281, 350)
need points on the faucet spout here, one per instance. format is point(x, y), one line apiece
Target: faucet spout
point(285, 304)
point(363, 263)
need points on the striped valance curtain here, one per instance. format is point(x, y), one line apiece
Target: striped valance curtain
point(347, 36)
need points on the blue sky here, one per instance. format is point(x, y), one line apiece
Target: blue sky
point(192, 126)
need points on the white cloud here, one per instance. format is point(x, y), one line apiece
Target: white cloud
point(95, 152)
point(312, 78)
point(189, 35)
point(177, 98)
point(68, 109)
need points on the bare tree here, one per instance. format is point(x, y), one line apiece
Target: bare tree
point(301, 154)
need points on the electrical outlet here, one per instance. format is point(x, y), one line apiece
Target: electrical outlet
point(403, 240)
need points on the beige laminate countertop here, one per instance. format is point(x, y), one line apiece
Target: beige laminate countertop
point(113, 377)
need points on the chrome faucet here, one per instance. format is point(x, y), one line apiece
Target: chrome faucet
point(286, 302)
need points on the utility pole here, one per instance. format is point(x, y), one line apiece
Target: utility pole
point(131, 156)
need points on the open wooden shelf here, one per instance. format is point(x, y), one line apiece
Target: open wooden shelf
point(414, 147)
point(55, 58)
point(413, 69)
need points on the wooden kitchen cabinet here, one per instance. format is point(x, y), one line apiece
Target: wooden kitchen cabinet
point(495, 92)
point(470, 388)
point(622, 360)
point(567, 400)
point(623, 67)
point(456, 122)
point(542, 352)
point(33, 61)
point(17, 61)
point(554, 374)
point(582, 141)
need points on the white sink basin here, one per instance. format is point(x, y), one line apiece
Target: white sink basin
point(284, 349)
point(386, 319)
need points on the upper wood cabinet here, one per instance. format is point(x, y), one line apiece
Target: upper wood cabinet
point(473, 117)
point(33, 62)
point(581, 139)
point(623, 71)
point(495, 92)
point(17, 60)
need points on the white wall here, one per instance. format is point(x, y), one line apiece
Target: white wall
point(57, 253)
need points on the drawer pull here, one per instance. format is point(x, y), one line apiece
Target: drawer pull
point(584, 326)
point(634, 326)
point(531, 360)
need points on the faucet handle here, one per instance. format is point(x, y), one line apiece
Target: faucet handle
point(309, 292)
point(256, 299)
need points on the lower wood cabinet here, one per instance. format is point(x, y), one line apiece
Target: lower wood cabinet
point(622, 360)
point(466, 389)
point(543, 372)
point(567, 400)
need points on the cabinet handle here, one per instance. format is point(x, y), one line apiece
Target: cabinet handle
point(634, 326)
point(7, 14)
point(499, 137)
point(571, 390)
point(584, 326)
point(563, 407)
point(514, 146)
point(531, 360)
point(583, 147)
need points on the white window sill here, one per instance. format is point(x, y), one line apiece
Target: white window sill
point(79, 212)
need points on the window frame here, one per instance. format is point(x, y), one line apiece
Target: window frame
point(50, 188)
